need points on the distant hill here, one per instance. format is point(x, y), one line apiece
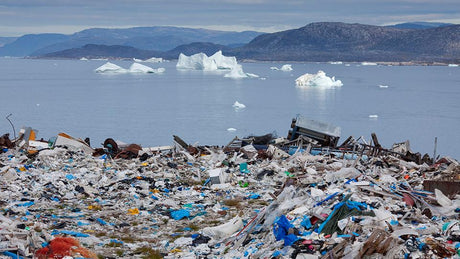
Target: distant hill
point(355, 42)
point(419, 25)
point(25, 45)
point(315, 42)
point(161, 38)
point(93, 51)
point(6, 40)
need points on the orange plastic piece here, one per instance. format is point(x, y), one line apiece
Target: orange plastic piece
point(60, 247)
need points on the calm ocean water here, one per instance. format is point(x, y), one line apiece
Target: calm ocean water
point(52, 96)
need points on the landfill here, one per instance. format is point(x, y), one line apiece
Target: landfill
point(253, 198)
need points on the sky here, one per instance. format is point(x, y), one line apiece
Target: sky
point(19, 17)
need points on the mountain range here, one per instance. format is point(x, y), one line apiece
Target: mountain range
point(323, 41)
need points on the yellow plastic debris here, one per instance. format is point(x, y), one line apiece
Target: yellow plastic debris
point(134, 211)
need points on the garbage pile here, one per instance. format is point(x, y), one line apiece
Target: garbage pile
point(241, 201)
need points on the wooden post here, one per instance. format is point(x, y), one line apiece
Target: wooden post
point(435, 146)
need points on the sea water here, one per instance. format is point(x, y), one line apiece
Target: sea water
point(53, 96)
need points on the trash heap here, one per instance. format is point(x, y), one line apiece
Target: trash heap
point(244, 202)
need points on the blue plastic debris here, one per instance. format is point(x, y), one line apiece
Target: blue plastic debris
point(68, 232)
point(12, 255)
point(180, 214)
point(306, 222)
point(26, 204)
point(281, 228)
point(244, 168)
point(70, 177)
point(101, 221)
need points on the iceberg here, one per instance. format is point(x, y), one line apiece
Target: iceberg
point(238, 105)
point(110, 68)
point(336, 62)
point(201, 61)
point(197, 61)
point(317, 80)
point(222, 61)
point(383, 86)
point(150, 60)
point(368, 64)
point(134, 68)
point(236, 72)
point(139, 68)
point(453, 65)
point(286, 67)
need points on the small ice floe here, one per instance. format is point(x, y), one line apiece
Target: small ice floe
point(452, 65)
point(286, 67)
point(317, 80)
point(231, 129)
point(373, 116)
point(110, 68)
point(383, 86)
point(336, 62)
point(368, 64)
point(238, 105)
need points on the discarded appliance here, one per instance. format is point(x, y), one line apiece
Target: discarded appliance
point(217, 176)
point(326, 134)
point(66, 140)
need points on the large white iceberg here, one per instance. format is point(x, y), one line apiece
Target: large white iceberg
point(110, 68)
point(317, 80)
point(201, 61)
point(197, 61)
point(222, 61)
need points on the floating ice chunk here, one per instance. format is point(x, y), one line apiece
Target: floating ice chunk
point(231, 129)
point(368, 64)
point(139, 68)
point(336, 62)
point(110, 68)
point(154, 60)
point(197, 61)
point(453, 65)
point(222, 61)
point(201, 61)
point(383, 86)
point(286, 67)
point(373, 116)
point(238, 105)
point(317, 80)
point(150, 60)
point(236, 72)
point(84, 59)
point(252, 75)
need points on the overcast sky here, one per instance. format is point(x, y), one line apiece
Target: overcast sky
point(19, 17)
